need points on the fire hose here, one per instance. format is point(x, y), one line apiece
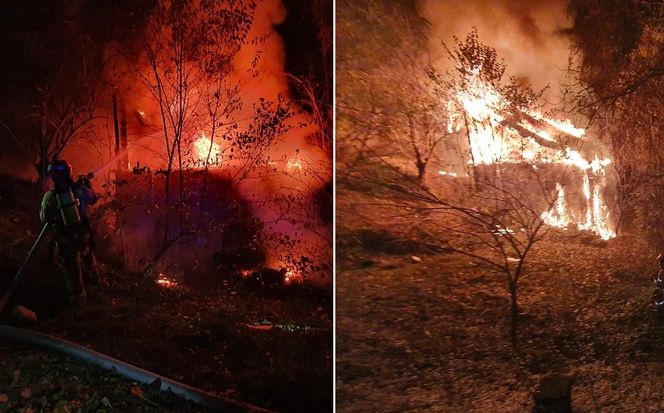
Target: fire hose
point(128, 370)
point(109, 363)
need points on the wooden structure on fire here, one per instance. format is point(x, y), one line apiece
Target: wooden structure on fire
point(192, 229)
point(586, 183)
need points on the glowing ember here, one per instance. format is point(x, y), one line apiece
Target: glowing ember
point(292, 276)
point(165, 281)
point(201, 149)
point(295, 164)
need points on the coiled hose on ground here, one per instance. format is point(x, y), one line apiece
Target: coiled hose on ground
point(127, 370)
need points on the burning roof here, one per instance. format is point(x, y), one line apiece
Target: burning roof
point(499, 133)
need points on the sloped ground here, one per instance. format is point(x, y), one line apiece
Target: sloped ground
point(433, 336)
point(271, 347)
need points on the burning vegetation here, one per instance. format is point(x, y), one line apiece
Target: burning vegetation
point(182, 97)
point(486, 189)
point(210, 149)
point(509, 171)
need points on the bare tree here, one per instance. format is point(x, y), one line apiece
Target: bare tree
point(64, 115)
point(191, 49)
point(427, 128)
point(381, 79)
point(62, 106)
point(316, 104)
point(170, 45)
point(496, 224)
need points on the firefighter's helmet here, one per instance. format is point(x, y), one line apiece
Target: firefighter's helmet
point(59, 170)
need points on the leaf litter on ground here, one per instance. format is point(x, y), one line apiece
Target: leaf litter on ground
point(38, 380)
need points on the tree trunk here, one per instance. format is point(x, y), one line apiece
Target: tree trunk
point(167, 199)
point(124, 143)
point(421, 169)
point(474, 178)
point(116, 128)
point(420, 163)
point(42, 170)
point(514, 314)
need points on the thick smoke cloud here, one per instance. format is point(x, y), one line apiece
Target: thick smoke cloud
point(528, 35)
point(258, 69)
point(531, 37)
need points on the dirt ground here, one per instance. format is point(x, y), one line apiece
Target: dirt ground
point(433, 335)
point(271, 347)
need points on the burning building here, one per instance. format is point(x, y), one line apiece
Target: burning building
point(500, 138)
point(195, 119)
point(498, 131)
point(232, 147)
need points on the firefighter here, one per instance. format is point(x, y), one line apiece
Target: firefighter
point(65, 207)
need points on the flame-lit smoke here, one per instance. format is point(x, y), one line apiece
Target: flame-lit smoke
point(529, 35)
point(302, 168)
point(258, 70)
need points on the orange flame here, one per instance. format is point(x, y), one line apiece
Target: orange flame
point(491, 143)
point(202, 147)
point(164, 281)
point(293, 276)
point(295, 164)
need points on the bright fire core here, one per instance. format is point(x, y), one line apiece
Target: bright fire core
point(204, 149)
point(500, 134)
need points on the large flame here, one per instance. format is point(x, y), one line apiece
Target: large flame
point(557, 216)
point(493, 139)
point(205, 150)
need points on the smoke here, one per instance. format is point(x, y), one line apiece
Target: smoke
point(528, 35)
point(284, 200)
point(531, 37)
point(293, 217)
